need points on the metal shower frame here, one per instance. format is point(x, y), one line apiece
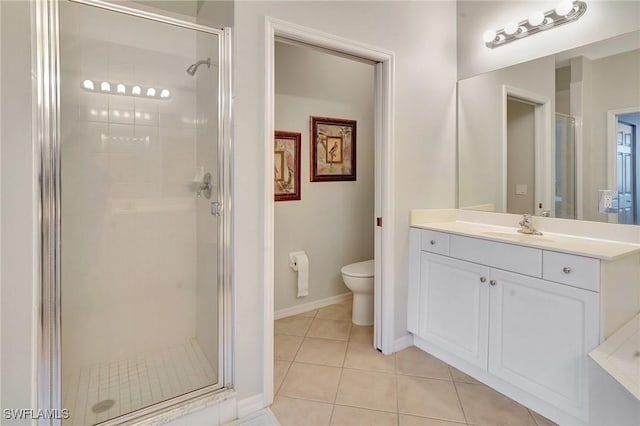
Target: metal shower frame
point(46, 114)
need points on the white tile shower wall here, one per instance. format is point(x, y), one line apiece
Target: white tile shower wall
point(334, 221)
point(129, 222)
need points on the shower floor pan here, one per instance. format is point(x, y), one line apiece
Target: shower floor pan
point(104, 391)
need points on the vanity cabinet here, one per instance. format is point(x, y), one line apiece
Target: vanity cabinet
point(540, 335)
point(488, 305)
point(454, 306)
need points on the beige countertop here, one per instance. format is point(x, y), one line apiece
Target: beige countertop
point(619, 356)
point(582, 246)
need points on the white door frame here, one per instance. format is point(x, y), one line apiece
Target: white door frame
point(612, 151)
point(545, 172)
point(384, 153)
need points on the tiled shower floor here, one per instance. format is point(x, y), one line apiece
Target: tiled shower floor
point(135, 382)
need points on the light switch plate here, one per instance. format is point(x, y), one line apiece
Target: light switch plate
point(521, 189)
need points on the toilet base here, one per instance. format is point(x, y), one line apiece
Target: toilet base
point(362, 309)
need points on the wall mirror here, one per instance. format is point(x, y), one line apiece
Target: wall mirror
point(556, 136)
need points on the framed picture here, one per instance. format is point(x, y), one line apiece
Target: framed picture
point(286, 156)
point(333, 149)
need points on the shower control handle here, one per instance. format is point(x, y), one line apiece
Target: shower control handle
point(216, 208)
point(205, 187)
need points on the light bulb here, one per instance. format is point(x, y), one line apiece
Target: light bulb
point(165, 93)
point(564, 7)
point(87, 84)
point(151, 92)
point(489, 36)
point(121, 89)
point(511, 28)
point(136, 90)
point(105, 87)
point(536, 18)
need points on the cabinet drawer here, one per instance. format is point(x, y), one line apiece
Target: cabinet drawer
point(435, 242)
point(576, 271)
point(510, 257)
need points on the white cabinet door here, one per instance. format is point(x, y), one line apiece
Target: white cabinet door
point(540, 335)
point(454, 305)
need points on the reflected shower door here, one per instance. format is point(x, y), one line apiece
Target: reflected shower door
point(565, 167)
point(139, 174)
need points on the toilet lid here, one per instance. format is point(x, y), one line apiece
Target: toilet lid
point(360, 269)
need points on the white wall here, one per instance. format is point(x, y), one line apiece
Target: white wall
point(422, 35)
point(480, 127)
point(18, 262)
point(603, 19)
point(334, 221)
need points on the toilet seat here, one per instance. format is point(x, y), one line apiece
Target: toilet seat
point(359, 270)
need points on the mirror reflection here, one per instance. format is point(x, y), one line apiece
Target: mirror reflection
point(556, 136)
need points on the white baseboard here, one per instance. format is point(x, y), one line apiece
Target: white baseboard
point(250, 405)
point(305, 307)
point(403, 342)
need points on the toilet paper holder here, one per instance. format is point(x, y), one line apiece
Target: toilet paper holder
point(292, 259)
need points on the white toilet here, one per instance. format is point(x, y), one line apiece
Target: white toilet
point(358, 277)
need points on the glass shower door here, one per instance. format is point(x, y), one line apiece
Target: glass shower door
point(139, 173)
point(565, 197)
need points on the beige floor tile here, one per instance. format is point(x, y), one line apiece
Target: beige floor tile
point(335, 312)
point(293, 326)
point(322, 351)
point(314, 382)
point(350, 416)
point(460, 377)
point(308, 313)
point(406, 420)
point(484, 406)
point(294, 412)
point(366, 389)
point(540, 420)
point(285, 347)
point(279, 371)
point(429, 398)
point(330, 329)
point(415, 362)
point(361, 334)
point(364, 356)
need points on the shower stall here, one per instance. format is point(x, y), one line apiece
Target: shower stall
point(565, 162)
point(136, 288)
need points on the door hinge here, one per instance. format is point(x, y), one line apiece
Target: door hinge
point(379, 221)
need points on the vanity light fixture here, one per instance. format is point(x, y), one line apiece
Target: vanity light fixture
point(566, 11)
point(125, 89)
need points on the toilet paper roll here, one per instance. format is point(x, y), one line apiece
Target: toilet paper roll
point(300, 263)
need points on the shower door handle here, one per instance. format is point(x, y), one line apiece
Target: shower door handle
point(216, 208)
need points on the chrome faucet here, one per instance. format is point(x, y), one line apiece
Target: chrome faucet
point(527, 226)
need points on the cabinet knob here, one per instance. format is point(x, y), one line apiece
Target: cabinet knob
point(566, 270)
point(432, 242)
point(483, 279)
point(493, 282)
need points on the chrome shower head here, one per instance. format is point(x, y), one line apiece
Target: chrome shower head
point(194, 67)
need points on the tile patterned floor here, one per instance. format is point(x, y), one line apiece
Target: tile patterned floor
point(135, 382)
point(327, 373)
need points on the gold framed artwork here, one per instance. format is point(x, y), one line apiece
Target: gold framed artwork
point(333, 149)
point(286, 156)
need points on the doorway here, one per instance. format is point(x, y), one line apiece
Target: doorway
point(383, 205)
point(527, 146)
point(627, 167)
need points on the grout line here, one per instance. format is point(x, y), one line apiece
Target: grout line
point(535, 422)
point(459, 400)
